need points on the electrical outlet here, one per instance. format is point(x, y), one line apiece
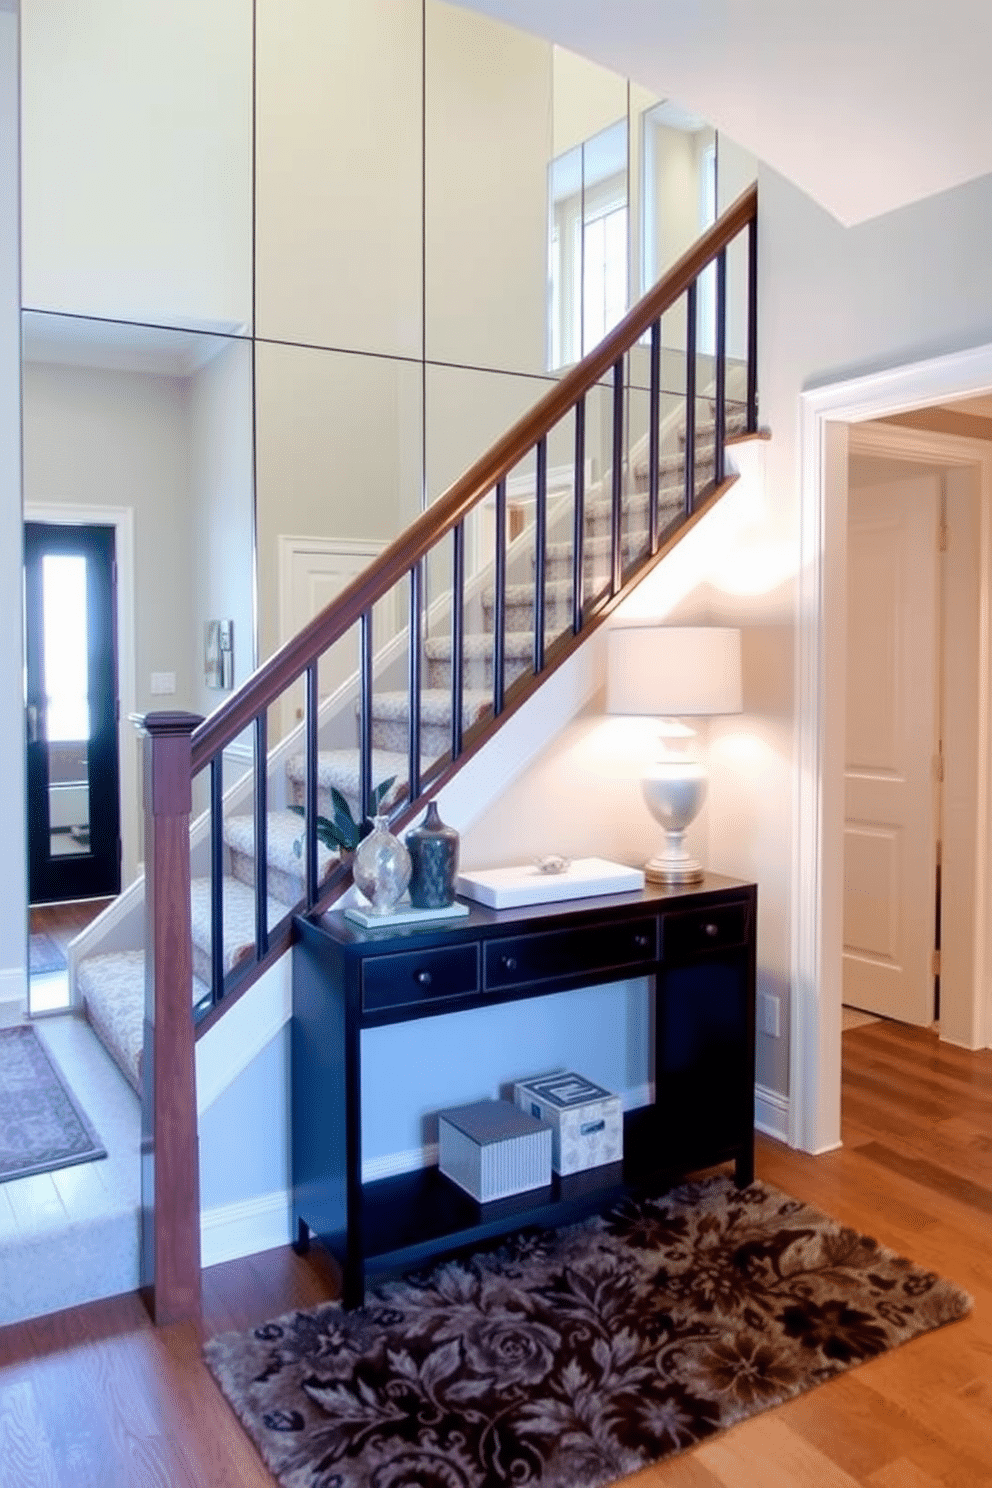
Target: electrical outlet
point(768, 1015)
point(163, 684)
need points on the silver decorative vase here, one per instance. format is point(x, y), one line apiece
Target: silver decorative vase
point(381, 868)
point(433, 851)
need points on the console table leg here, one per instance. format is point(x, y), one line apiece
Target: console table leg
point(352, 1285)
point(302, 1242)
point(744, 1168)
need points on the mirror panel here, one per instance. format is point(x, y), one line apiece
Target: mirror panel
point(339, 461)
point(151, 431)
point(340, 174)
point(488, 142)
point(136, 160)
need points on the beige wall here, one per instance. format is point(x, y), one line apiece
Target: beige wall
point(340, 174)
point(107, 438)
point(222, 516)
point(137, 159)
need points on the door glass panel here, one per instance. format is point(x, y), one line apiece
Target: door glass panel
point(67, 709)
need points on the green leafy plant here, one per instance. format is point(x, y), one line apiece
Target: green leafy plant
point(341, 833)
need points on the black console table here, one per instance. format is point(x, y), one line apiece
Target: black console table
point(697, 942)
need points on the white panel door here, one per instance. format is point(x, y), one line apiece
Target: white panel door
point(892, 736)
point(312, 572)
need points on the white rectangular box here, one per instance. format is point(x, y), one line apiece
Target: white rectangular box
point(586, 1120)
point(492, 1149)
point(507, 888)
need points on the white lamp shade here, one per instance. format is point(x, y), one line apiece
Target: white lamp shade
point(673, 671)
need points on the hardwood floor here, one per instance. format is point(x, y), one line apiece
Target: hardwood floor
point(96, 1397)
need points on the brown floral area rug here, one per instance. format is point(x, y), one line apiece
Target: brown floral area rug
point(571, 1358)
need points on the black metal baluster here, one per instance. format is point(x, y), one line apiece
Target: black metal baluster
point(217, 877)
point(752, 326)
point(616, 558)
point(261, 836)
point(690, 399)
point(413, 677)
point(540, 552)
point(310, 784)
point(457, 635)
point(654, 434)
point(720, 416)
point(579, 518)
point(499, 603)
point(365, 714)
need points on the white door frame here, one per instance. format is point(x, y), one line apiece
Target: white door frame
point(818, 790)
point(121, 518)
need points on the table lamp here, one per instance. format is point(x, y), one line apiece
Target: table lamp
point(674, 672)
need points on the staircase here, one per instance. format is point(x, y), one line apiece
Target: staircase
point(111, 984)
point(220, 901)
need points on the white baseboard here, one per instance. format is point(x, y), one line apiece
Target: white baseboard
point(13, 984)
point(771, 1113)
point(230, 1231)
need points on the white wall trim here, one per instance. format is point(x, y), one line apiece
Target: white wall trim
point(121, 518)
point(817, 858)
point(771, 1112)
point(229, 1231)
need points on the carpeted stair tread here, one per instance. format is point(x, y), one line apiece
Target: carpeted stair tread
point(435, 705)
point(112, 986)
point(341, 768)
point(284, 842)
point(519, 645)
point(239, 918)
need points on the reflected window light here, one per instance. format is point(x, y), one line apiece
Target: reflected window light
point(587, 244)
point(66, 648)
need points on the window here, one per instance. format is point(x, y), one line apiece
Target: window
point(587, 244)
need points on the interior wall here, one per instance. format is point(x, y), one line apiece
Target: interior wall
point(95, 437)
point(222, 517)
point(137, 160)
point(13, 901)
point(834, 302)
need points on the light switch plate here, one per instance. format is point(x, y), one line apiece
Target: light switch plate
point(163, 684)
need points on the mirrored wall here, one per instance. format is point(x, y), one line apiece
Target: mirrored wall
point(290, 266)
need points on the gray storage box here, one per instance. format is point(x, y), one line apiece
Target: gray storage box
point(586, 1120)
point(493, 1150)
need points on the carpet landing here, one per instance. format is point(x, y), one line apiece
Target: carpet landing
point(571, 1358)
point(41, 1126)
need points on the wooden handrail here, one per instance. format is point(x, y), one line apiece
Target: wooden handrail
point(287, 664)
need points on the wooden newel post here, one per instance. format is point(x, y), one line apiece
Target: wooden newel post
point(170, 1173)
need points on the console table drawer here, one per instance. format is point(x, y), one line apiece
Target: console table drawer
point(419, 977)
point(564, 953)
point(704, 930)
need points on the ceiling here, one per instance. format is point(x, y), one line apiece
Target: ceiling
point(865, 106)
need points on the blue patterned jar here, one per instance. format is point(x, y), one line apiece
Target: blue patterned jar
point(433, 850)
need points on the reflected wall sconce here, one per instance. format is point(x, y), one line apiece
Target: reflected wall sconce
point(674, 673)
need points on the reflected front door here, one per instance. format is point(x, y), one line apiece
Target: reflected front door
point(72, 759)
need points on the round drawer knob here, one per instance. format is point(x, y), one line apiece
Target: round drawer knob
point(711, 930)
point(510, 963)
point(641, 941)
point(422, 978)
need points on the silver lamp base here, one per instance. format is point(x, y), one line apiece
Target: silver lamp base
point(673, 865)
point(674, 789)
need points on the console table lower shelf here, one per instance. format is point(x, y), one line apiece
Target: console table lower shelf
point(410, 1220)
point(697, 946)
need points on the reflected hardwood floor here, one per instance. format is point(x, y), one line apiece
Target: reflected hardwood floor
point(98, 1397)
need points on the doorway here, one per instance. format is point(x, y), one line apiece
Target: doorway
point(896, 542)
point(829, 415)
point(73, 766)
